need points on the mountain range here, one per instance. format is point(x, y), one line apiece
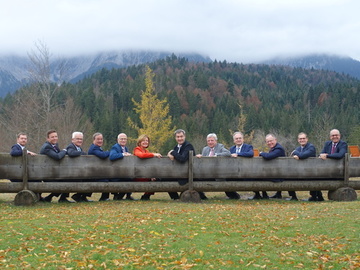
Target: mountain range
point(14, 69)
point(335, 63)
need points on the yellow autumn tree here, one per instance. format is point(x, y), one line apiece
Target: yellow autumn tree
point(248, 137)
point(153, 114)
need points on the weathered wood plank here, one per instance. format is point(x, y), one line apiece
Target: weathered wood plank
point(90, 167)
point(226, 167)
point(10, 167)
point(354, 167)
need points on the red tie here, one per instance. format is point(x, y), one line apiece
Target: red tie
point(333, 148)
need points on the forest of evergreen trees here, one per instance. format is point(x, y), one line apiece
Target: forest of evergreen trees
point(202, 97)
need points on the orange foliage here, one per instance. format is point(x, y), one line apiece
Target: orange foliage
point(322, 98)
point(180, 92)
point(218, 86)
point(253, 99)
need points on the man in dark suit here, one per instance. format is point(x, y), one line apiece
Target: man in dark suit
point(180, 153)
point(119, 151)
point(276, 150)
point(335, 148)
point(306, 150)
point(96, 150)
point(74, 150)
point(51, 149)
point(215, 149)
point(17, 149)
point(240, 149)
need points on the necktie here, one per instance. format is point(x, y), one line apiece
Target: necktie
point(333, 148)
point(238, 150)
point(211, 154)
point(179, 146)
point(55, 148)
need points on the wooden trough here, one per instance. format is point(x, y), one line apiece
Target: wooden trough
point(40, 174)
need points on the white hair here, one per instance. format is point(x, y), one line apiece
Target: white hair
point(213, 135)
point(74, 134)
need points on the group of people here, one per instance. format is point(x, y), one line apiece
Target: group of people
point(335, 148)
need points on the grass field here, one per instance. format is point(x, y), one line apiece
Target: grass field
point(165, 234)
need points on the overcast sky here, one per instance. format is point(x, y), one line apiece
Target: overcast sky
point(233, 30)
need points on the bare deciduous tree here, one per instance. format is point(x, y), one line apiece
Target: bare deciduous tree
point(34, 110)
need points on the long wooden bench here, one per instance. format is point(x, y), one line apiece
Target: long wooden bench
point(246, 174)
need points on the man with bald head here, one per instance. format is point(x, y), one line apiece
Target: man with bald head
point(275, 151)
point(335, 148)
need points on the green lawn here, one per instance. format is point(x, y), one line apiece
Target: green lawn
point(163, 234)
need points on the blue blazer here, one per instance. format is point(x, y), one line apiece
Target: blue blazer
point(183, 154)
point(16, 150)
point(48, 149)
point(116, 152)
point(245, 151)
point(97, 151)
point(275, 152)
point(340, 150)
point(308, 151)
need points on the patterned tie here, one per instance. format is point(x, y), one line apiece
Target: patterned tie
point(212, 153)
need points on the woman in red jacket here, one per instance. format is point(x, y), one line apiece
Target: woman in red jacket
point(141, 151)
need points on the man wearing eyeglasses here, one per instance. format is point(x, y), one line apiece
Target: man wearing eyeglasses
point(305, 150)
point(335, 148)
point(74, 150)
point(119, 151)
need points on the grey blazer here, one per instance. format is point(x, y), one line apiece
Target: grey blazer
point(220, 150)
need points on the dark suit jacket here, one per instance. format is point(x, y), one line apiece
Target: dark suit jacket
point(275, 152)
point(183, 154)
point(48, 149)
point(98, 151)
point(116, 152)
point(308, 151)
point(72, 151)
point(340, 150)
point(16, 150)
point(245, 151)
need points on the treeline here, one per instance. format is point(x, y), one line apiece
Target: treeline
point(215, 97)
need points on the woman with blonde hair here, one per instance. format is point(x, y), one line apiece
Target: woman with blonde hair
point(141, 151)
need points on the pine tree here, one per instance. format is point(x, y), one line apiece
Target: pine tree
point(153, 114)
